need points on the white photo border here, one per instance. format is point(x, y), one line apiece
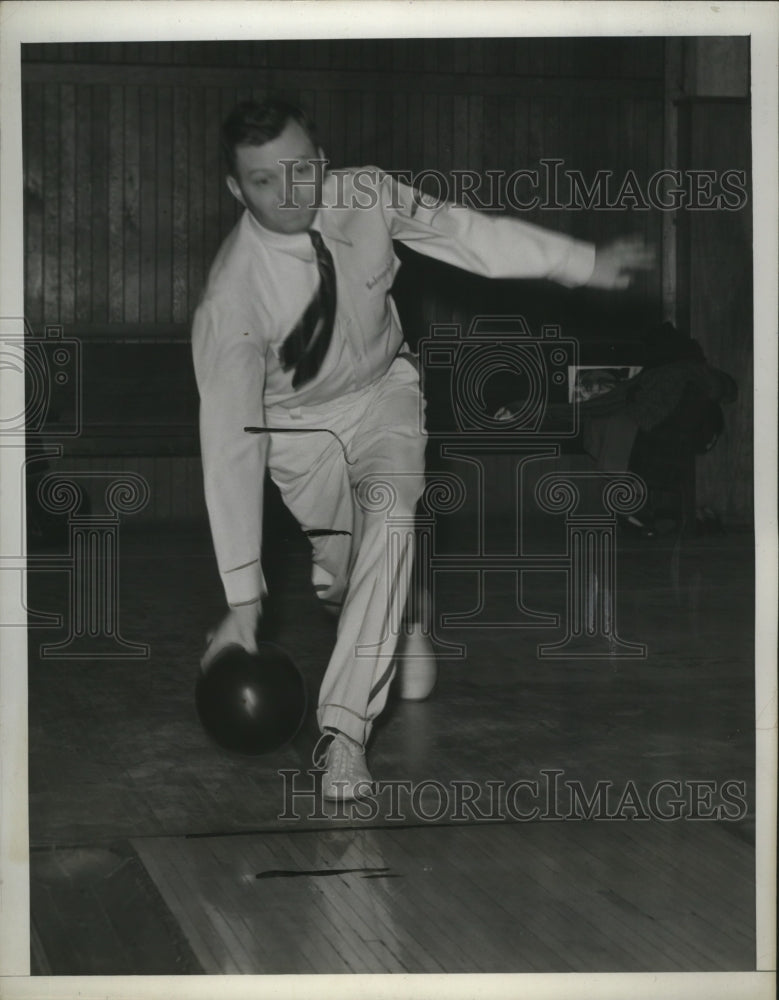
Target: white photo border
point(182, 20)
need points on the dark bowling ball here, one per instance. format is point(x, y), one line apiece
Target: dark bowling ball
point(251, 703)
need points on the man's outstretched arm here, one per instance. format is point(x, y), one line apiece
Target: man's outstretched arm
point(230, 372)
point(500, 246)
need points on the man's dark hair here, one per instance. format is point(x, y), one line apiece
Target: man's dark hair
point(253, 123)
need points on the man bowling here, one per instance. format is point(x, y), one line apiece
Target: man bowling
point(297, 332)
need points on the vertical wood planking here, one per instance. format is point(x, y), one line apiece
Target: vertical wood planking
point(430, 157)
point(195, 270)
point(71, 143)
point(613, 155)
point(213, 192)
point(476, 50)
point(521, 55)
point(180, 218)
point(423, 50)
point(505, 131)
point(445, 125)
point(384, 129)
point(255, 54)
point(369, 125)
point(655, 130)
point(147, 191)
point(356, 55)
point(51, 204)
point(554, 217)
point(355, 152)
point(115, 204)
point(161, 476)
point(291, 50)
point(552, 56)
point(491, 140)
point(164, 208)
point(319, 53)
point(576, 126)
point(429, 61)
point(535, 146)
point(131, 208)
point(321, 114)
point(247, 92)
point(83, 193)
point(503, 56)
point(212, 172)
point(32, 124)
point(399, 156)
point(415, 133)
point(400, 56)
point(99, 182)
point(520, 133)
point(149, 208)
point(459, 132)
point(190, 478)
point(459, 61)
point(188, 53)
point(637, 219)
point(476, 148)
point(338, 127)
point(718, 297)
point(125, 196)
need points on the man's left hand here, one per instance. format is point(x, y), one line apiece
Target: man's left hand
point(618, 261)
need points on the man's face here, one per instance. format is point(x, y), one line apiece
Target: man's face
point(283, 197)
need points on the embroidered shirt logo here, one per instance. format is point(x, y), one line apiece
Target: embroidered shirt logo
point(377, 277)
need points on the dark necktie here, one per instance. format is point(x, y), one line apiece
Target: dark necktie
point(305, 348)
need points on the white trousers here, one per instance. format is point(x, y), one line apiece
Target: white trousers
point(354, 491)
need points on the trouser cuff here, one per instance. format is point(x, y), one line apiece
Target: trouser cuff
point(346, 722)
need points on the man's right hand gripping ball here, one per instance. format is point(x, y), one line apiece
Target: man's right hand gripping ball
point(237, 628)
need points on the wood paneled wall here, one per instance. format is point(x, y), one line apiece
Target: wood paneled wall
point(125, 196)
point(125, 200)
point(716, 306)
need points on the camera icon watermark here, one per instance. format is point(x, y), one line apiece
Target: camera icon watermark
point(501, 396)
point(51, 366)
point(461, 368)
point(60, 529)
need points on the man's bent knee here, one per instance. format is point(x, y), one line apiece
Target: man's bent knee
point(393, 494)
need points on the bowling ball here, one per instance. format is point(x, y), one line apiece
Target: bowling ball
point(251, 703)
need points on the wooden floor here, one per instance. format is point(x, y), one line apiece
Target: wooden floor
point(147, 840)
point(474, 898)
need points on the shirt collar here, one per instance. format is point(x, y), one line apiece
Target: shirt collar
point(299, 244)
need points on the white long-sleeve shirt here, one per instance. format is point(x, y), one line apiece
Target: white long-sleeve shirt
point(260, 283)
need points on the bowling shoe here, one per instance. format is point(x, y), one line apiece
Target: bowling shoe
point(346, 772)
point(417, 667)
